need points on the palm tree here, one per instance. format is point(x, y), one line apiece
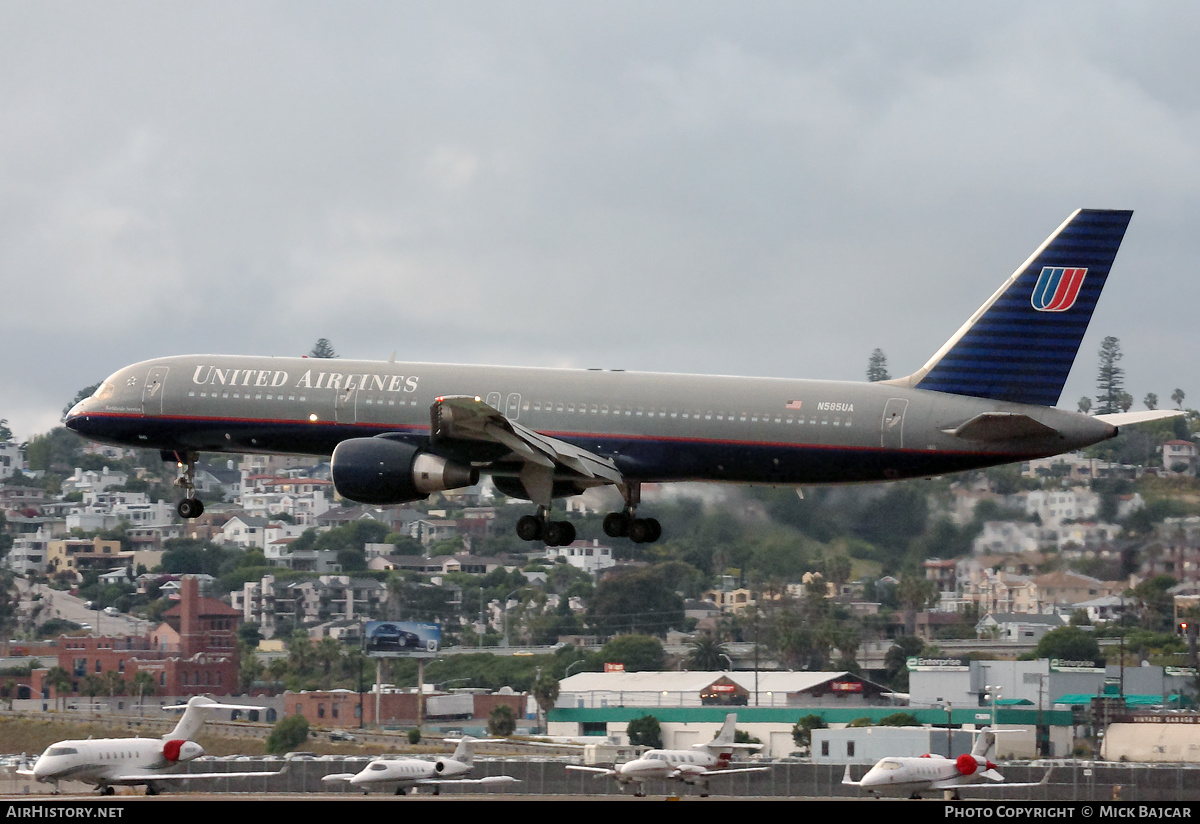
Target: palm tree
point(545, 692)
point(706, 653)
point(59, 680)
point(143, 685)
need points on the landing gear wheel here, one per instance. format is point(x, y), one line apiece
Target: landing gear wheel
point(559, 533)
point(616, 524)
point(190, 508)
point(107, 791)
point(529, 528)
point(644, 530)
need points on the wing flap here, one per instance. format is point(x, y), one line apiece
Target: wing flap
point(467, 418)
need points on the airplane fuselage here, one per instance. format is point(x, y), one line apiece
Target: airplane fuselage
point(654, 427)
point(908, 776)
point(106, 761)
point(392, 773)
point(669, 763)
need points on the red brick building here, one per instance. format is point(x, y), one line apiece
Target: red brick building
point(194, 650)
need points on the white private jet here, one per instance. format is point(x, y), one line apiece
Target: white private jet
point(108, 762)
point(910, 776)
point(693, 767)
point(399, 774)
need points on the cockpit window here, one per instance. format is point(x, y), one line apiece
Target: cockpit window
point(61, 751)
point(103, 391)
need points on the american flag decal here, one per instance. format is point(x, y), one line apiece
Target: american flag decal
point(792, 405)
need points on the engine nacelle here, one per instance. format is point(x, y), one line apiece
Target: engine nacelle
point(966, 764)
point(383, 471)
point(177, 751)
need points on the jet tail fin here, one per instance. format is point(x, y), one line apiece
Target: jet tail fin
point(1019, 346)
point(983, 743)
point(195, 712)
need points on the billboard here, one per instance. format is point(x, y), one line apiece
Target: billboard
point(402, 639)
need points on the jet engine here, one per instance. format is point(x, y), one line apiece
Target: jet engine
point(384, 471)
point(177, 751)
point(969, 764)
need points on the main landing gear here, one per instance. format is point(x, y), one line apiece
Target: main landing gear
point(623, 524)
point(191, 506)
point(626, 524)
point(539, 526)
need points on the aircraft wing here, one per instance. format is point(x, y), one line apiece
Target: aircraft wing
point(992, 775)
point(730, 771)
point(599, 771)
point(489, 779)
point(466, 419)
point(153, 777)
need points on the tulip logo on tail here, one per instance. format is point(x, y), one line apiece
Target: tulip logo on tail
point(1057, 288)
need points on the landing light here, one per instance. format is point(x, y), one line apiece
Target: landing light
point(313, 417)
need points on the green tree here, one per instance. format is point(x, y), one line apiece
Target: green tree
point(895, 661)
point(1085, 405)
point(1177, 396)
point(877, 369)
point(5, 432)
point(1151, 400)
point(645, 732)
point(502, 721)
point(639, 653)
point(322, 349)
point(706, 654)
point(640, 601)
point(59, 680)
point(1068, 643)
point(143, 685)
point(287, 734)
point(802, 730)
point(1110, 380)
point(545, 692)
point(82, 394)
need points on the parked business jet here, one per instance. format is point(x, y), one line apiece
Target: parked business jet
point(109, 762)
point(911, 776)
point(397, 775)
point(694, 767)
point(400, 431)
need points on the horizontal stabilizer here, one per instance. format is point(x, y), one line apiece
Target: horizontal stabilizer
point(1130, 418)
point(1000, 426)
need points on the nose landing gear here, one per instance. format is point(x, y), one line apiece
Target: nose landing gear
point(191, 506)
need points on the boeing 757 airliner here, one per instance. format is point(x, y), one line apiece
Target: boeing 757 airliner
point(400, 431)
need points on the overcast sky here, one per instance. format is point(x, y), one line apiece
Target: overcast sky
point(760, 188)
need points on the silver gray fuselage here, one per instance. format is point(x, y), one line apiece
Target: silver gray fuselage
point(655, 427)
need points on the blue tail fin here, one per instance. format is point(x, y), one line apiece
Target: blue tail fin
point(1019, 346)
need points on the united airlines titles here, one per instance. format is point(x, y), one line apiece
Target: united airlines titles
point(311, 379)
